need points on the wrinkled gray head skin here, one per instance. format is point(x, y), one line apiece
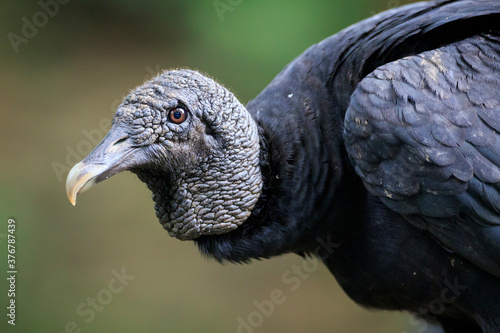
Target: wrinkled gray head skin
point(204, 171)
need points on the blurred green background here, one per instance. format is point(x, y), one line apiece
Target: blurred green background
point(62, 79)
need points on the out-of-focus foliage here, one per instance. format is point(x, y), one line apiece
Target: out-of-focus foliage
point(60, 84)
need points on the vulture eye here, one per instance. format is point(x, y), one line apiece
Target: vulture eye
point(177, 115)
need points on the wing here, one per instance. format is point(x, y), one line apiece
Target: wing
point(423, 134)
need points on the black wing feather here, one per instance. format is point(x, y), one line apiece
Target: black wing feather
point(423, 134)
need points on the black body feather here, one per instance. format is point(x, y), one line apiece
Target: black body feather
point(436, 235)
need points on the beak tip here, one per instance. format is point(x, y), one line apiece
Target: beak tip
point(80, 178)
point(72, 184)
point(71, 196)
point(72, 200)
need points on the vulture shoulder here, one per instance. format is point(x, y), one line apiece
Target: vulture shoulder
point(423, 134)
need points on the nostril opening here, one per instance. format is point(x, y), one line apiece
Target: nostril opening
point(120, 141)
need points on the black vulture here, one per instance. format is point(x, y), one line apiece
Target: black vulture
point(382, 139)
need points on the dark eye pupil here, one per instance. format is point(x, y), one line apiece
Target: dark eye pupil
point(177, 116)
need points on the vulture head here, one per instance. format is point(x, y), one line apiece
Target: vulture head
point(194, 145)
